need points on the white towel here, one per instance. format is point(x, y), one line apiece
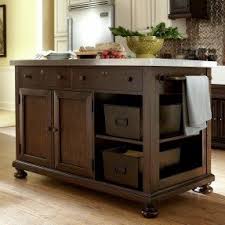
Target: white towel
point(196, 104)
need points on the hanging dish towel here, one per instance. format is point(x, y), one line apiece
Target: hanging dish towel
point(196, 104)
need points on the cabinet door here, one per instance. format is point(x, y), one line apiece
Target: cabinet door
point(123, 13)
point(73, 119)
point(179, 6)
point(215, 118)
point(141, 14)
point(61, 44)
point(35, 127)
point(60, 15)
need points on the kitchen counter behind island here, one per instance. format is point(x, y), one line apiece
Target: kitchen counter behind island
point(62, 127)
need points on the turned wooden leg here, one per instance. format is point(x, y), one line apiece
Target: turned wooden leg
point(205, 189)
point(150, 211)
point(20, 174)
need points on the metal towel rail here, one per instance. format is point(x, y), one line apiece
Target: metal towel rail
point(171, 78)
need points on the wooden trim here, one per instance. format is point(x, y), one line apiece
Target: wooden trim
point(179, 178)
point(115, 190)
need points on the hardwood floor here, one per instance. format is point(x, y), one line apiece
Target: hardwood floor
point(43, 201)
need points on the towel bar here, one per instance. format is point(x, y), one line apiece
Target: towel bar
point(172, 78)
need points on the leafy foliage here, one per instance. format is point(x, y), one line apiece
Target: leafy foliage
point(121, 31)
point(159, 31)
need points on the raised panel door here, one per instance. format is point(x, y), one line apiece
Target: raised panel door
point(35, 127)
point(73, 122)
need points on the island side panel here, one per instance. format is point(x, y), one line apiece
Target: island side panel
point(150, 131)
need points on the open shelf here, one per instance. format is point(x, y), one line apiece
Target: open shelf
point(190, 154)
point(125, 140)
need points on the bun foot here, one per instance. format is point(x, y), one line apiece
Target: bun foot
point(150, 212)
point(20, 174)
point(205, 189)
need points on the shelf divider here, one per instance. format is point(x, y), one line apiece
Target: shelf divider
point(175, 138)
point(125, 140)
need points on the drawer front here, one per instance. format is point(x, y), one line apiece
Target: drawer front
point(44, 77)
point(118, 79)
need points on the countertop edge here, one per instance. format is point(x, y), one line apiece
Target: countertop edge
point(117, 62)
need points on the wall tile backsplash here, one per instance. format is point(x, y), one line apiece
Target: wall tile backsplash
point(203, 33)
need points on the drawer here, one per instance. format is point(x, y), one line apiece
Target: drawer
point(44, 77)
point(118, 79)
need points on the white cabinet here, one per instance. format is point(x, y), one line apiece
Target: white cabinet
point(141, 14)
point(60, 24)
point(123, 11)
point(61, 44)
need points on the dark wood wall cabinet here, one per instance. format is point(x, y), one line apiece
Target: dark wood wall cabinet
point(65, 130)
point(189, 9)
point(218, 120)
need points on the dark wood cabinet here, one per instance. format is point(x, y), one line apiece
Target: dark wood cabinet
point(61, 128)
point(73, 124)
point(189, 9)
point(218, 117)
point(35, 126)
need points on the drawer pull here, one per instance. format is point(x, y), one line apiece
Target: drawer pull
point(120, 122)
point(120, 171)
point(59, 77)
point(130, 79)
point(82, 78)
point(27, 76)
point(104, 73)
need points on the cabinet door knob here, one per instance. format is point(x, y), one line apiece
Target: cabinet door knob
point(42, 72)
point(221, 119)
point(59, 77)
point(55, 130)
point(49, 129)
point(130, 79)
point(82, 78)
point(27, 76)
point(214, 119)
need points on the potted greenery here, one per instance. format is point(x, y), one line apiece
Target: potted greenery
point(147, 45)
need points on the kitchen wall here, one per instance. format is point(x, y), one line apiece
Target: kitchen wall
point(29, 30)
point(204, 33)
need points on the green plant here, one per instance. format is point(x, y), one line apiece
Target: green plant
point(159, 31)
point(121, 31)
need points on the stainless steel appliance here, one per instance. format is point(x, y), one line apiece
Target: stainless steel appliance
point(89, 22)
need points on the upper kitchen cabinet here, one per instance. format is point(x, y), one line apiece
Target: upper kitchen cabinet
point(141, 14)
point(188, 9)
point(60, 28)
point(123, 11)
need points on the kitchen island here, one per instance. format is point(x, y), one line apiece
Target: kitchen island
point(63, 131)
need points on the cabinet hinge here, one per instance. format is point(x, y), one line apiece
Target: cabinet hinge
point(93, 164)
